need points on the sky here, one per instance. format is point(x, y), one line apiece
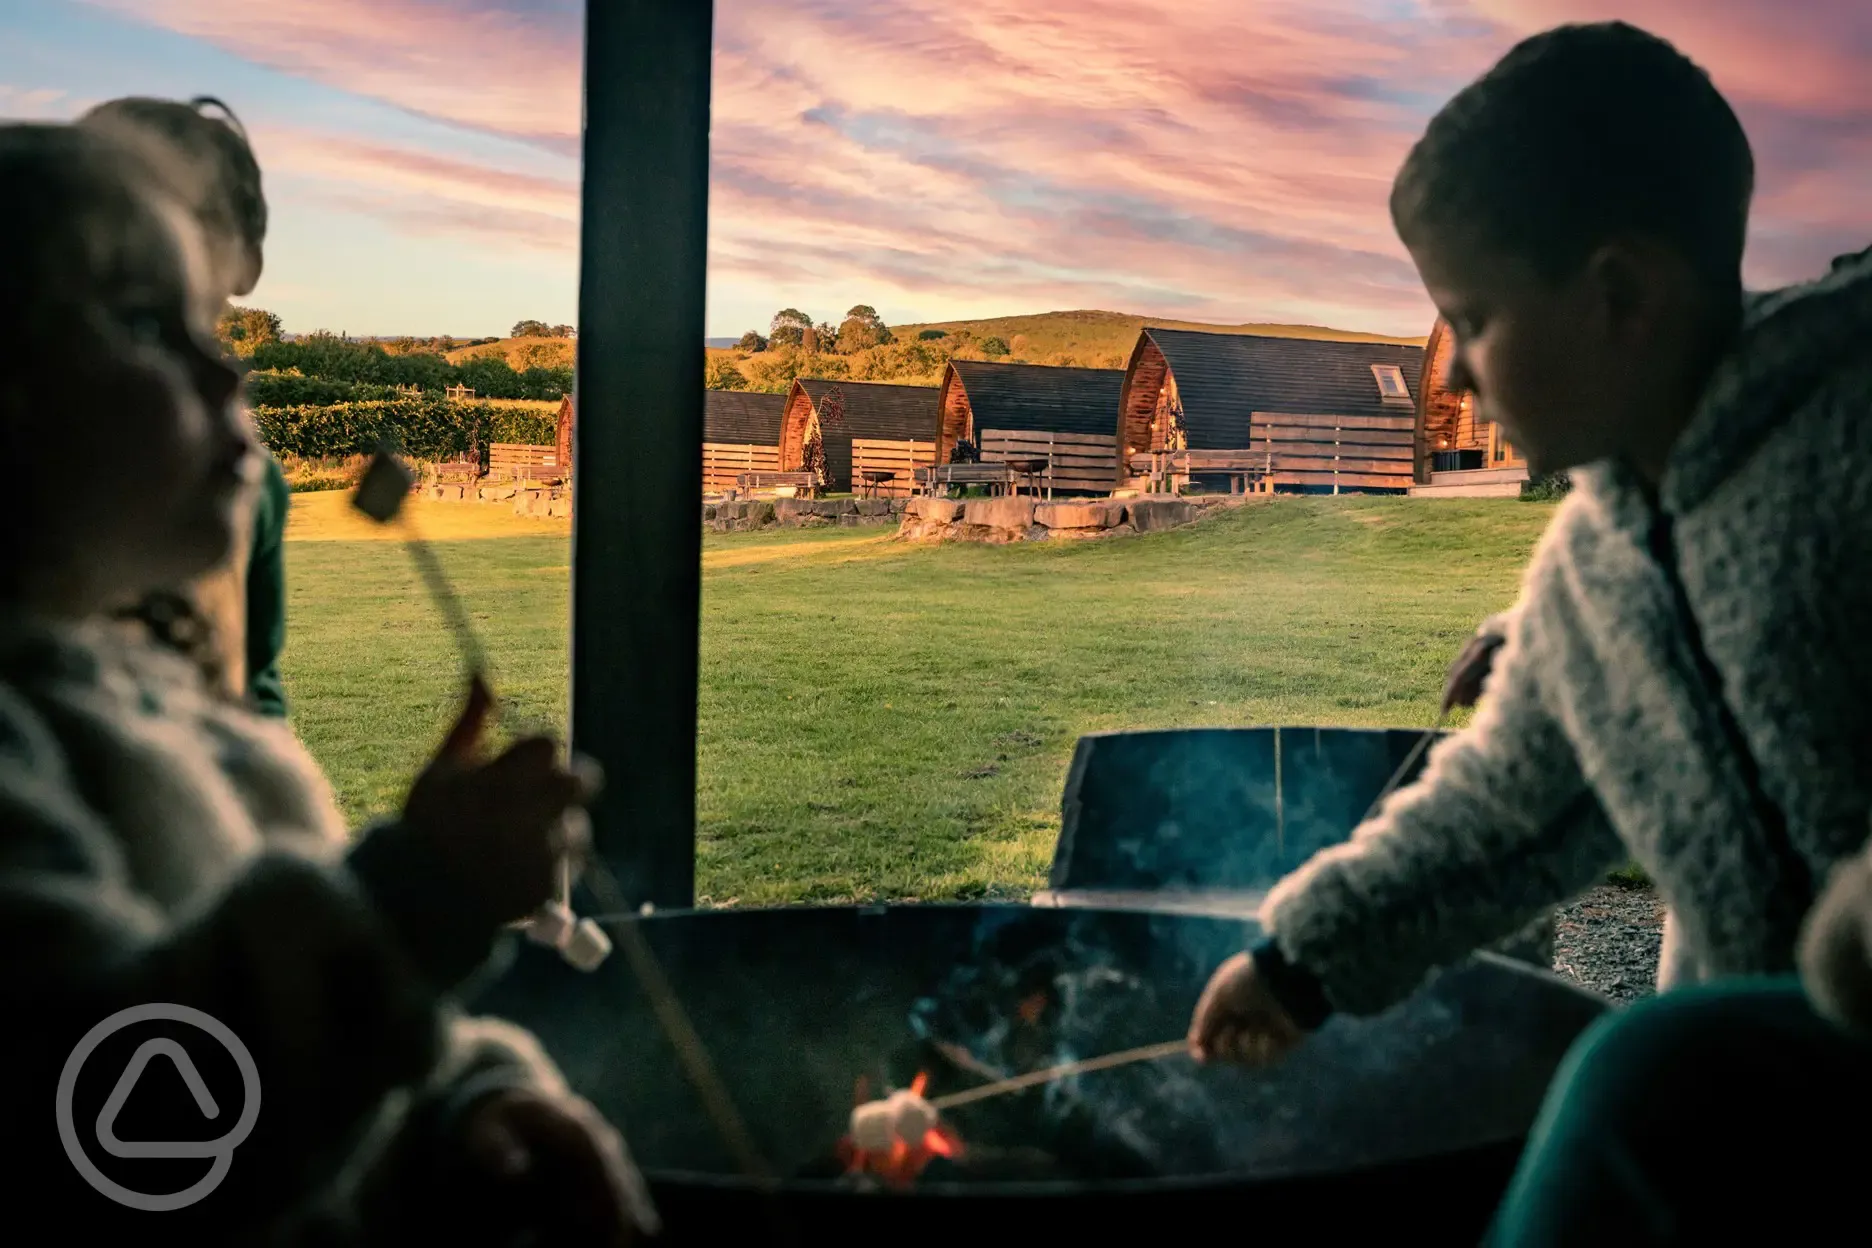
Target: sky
point(1212, 160)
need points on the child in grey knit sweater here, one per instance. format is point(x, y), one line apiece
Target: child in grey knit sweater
point(161, 844)
point(1683, 681)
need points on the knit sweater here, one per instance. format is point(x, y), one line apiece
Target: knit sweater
point(1685, 682)
point(159, 844)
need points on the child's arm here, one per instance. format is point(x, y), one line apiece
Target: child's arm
point(294, 957)
point(1500, 827)
point(266, 594)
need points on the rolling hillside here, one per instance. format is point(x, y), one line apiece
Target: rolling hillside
point(1087, 339)
point(1097, 336)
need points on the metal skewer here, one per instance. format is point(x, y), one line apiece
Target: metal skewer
point(1410, 760)
point(1066, 1070)
point(381, 495)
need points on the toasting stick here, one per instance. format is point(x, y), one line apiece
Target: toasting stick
point(381, 493)
point(1423, 743)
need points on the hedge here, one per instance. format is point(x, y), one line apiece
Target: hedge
point(333, 359)
point(425, 428)
point(268, 389)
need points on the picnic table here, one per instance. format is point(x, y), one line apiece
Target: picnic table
point(798, 481)
point(1001, 477)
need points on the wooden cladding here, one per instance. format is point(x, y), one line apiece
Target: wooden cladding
point(724, 462)
point(1075, 461)
point(900, 459)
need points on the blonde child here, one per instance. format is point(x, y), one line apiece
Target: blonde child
point(161, 844)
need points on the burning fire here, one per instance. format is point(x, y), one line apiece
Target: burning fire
point(903, 1161)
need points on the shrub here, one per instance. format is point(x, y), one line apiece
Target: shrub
point(1546, 488)
point(931, 335)
point(328, 357)
point(425, 428)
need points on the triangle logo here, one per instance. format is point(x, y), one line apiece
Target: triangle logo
point(126, 1084)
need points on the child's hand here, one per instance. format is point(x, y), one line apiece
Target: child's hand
point(1470, 671)
point(501, 826)
point(557, 1170)
point(1238, 1021)
point(1836, 946)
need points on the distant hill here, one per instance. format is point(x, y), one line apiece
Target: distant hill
point(1060, 339)
point(1105, 339)
point(522, 353)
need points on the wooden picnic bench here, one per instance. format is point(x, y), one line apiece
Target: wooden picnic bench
point(458, 472)
point(798, 481)
point(1001, 478)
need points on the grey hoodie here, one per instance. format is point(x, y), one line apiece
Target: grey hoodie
point(1686, 683)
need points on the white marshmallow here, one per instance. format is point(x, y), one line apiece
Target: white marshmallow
point(552, 924)
point(912, 1116)
point(588, 947)
point(871, 1126)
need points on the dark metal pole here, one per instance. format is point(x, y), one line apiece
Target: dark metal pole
point(636, 533)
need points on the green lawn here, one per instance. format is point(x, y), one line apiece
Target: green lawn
point(882, 720)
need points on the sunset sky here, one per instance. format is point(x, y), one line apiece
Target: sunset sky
point(1215, 160)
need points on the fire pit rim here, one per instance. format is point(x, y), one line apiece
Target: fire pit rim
point(1263, 1174)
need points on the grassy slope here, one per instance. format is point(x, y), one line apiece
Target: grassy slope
point(522, 353)
point(888, 721)
point(1098, 334)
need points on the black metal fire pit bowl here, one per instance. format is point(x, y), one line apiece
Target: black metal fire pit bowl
point(1408, 1122)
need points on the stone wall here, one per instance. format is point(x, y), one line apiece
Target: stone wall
point(532, 500)
point(998, 520)
point(800, 513)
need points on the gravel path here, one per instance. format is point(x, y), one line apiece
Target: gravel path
point(1608, 941)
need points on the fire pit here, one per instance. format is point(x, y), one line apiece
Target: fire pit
point(1410, 1120)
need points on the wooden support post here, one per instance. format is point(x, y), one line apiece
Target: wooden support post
point(636, 552)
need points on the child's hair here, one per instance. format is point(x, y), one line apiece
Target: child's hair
point(1578, 134)
point(212, 153)
point(75, 204)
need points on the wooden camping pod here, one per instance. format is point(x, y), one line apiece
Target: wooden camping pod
point(1295, 413)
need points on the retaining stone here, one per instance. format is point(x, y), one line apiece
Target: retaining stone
point(1157, 515)
point(935, 510)
point(1078, 515)
point(1000, 513)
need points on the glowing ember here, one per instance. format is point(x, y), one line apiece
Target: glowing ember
point(901, 1163)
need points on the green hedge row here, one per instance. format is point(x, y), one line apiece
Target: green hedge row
point(425, 428)
point(296, 390)
point(334, 359)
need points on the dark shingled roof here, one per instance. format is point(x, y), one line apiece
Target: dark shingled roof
point(742, 416)
point(881, 412)
point(1033, 396)
point(1224, 378)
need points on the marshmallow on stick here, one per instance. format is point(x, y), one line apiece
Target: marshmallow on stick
point(877, 1125)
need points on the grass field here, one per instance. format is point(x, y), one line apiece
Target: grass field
point(887, 721)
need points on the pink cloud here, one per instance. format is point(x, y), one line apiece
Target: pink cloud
point(1199, 157)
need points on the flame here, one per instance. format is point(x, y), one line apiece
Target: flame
point(902, 1162)
point(1032, 1008)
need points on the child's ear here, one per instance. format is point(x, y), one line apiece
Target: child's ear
point(1629, 281)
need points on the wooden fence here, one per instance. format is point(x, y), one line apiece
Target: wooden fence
point(900, 459)
point(1075, 461)
point(1344, 452)
point(723, 462)
point(520, 461)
